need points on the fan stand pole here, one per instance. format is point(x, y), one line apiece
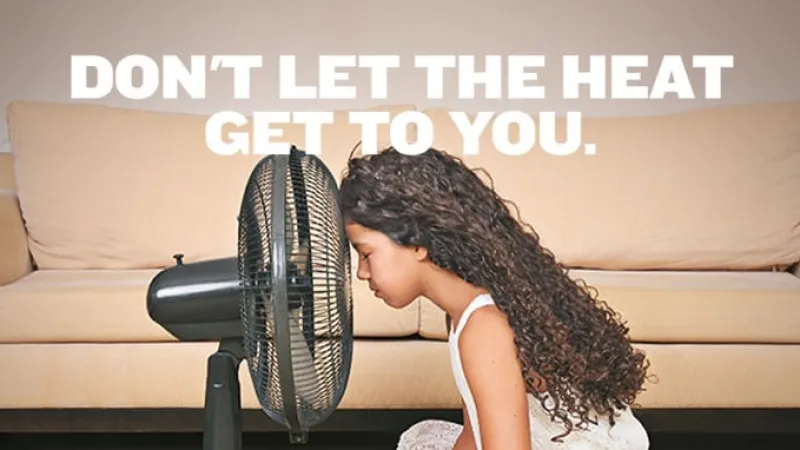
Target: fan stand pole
point(223, 404)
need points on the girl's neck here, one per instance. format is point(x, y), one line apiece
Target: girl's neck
point(450, 293)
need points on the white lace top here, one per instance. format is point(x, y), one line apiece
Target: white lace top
point(626, 434)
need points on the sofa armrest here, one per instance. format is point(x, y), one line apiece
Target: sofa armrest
point(15, 259)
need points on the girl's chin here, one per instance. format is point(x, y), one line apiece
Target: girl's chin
point(394, 304)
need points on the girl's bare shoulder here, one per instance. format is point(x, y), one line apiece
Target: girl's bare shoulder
point(487, 319)
point(486, 332)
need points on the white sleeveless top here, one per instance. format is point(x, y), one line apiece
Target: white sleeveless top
point(626, 434)
point(458, 370)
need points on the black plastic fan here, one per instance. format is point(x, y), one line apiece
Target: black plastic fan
point(284, 304)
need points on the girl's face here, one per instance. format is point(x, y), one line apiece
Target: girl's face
point(392, 271)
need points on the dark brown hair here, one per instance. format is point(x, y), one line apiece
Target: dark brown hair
point(568, 341)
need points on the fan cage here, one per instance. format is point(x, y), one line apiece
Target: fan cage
point(315, 270)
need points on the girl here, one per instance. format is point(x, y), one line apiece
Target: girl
point(538, 361)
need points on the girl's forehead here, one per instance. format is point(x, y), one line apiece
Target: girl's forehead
point(360, 235)
point(357, 232)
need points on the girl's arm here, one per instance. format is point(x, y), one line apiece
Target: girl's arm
point(465, 440)
point(494, 375)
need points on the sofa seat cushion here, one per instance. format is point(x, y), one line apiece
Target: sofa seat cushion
point(686, 307)
point(110, 306)
point(386, 374)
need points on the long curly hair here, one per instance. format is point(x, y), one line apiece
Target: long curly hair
point(568, 341)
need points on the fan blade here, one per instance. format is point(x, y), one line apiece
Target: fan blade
point(306, 376)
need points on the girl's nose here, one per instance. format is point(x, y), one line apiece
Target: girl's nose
point(362, 272)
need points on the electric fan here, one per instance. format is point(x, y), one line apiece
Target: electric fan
point(284, 304)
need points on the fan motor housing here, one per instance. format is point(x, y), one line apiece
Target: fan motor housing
point(197, 301)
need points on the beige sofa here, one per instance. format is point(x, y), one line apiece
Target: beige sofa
point(688, 224)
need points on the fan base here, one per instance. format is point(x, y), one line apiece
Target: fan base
point(298, 438)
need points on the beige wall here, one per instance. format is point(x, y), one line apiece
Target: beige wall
point(38, 37)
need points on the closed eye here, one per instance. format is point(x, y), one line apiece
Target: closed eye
point(361, 254)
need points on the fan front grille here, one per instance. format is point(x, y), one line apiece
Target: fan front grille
point(311, 261)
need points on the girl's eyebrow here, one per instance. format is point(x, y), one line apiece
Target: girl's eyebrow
point(361, 246)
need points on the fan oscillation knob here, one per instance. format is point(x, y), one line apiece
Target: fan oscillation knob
point(178, 258)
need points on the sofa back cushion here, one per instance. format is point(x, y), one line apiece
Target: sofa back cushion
point(715, 188)
point(113, 188)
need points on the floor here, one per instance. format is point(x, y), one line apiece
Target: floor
point(355, 441)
